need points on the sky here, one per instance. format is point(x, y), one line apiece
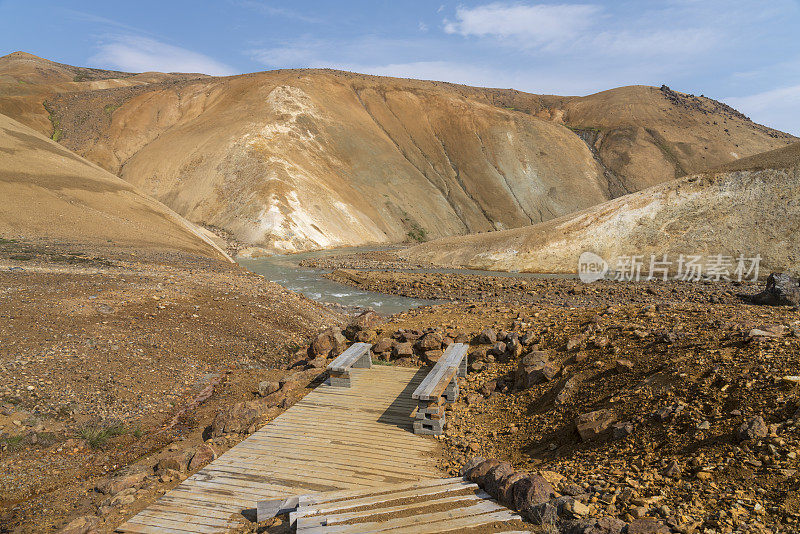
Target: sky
point(745, 53)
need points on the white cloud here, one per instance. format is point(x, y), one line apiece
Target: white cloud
point(537, 25)
point(141, 54)
point(779, 108)
point(654, 42)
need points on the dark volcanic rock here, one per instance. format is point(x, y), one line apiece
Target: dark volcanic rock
point(781, 290)
point(531, 490)
point(479, 473)
point(493, 480)
point(752, 429)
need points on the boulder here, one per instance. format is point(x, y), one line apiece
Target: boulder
point(752, 429)
point(203, 455)
point(535, 368)
point(647, 525)
point(498, 350)
point(402, 350)
point(575, 342)
point(433, 356)
point(514, 347)
point(601, 525)
point(267, 387)
point(566, 390)
point(495, 476)
point(506, 486)
point(240, 417)
point(331, 342)
point(472, 463)
point(114, 485)
point(573, 509)
point(531, 490)
point(478, 473)
point(781, 290)
point(383, 345)
point(477, 366)
point(362, 322)
point(82, 525)
point(487, 337)
point(432, 341)
point(176, 461)
point(545, 513)
point(461, 338)
point(298, 379)
point(591, 425)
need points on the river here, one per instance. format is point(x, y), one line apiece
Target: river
point(285, 269)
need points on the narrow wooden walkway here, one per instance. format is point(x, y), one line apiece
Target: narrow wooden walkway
point(333, 439)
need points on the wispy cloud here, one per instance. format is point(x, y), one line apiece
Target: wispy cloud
point(780, 108)
point(581, 29)
point(272, 11)
point(142, 54)
point(535, 25)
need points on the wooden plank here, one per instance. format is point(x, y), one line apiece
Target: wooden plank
point(318, 438)
point(347, 494)
point(341, 518)
point(432, 383)
point(188, 518)
point(345, 360)
point(180, 526)
point(350, 465)
point(375, 499)
point(137, 528)
point(413, 523)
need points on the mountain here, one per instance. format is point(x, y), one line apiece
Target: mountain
point(749, 207)
point(301, 159)
point(52, 194)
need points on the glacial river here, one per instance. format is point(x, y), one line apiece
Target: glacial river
point(286, 271)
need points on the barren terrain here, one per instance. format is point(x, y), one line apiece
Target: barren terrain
point(744, 209)
point(303, 159)
point(114, 361)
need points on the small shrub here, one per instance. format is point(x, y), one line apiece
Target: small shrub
point(97, 436)
point(12, 443)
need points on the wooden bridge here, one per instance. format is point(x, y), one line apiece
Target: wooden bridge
point(356, 439)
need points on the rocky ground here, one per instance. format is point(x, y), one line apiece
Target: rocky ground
point(124, 372)
point(650, 406)
point(385, 258)
point(665, 406)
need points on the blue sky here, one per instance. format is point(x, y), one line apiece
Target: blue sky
point(746, 53)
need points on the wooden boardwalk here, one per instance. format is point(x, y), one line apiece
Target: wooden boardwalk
point(333, 439)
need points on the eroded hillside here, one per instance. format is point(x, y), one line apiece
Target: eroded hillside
point(51, 194)
point(302, 159)
point(746, 208)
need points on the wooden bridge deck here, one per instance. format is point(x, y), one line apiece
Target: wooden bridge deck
point(332, 439)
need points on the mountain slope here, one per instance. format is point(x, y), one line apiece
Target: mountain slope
point(750, 207)
point(302, 159)
point(52, 194)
